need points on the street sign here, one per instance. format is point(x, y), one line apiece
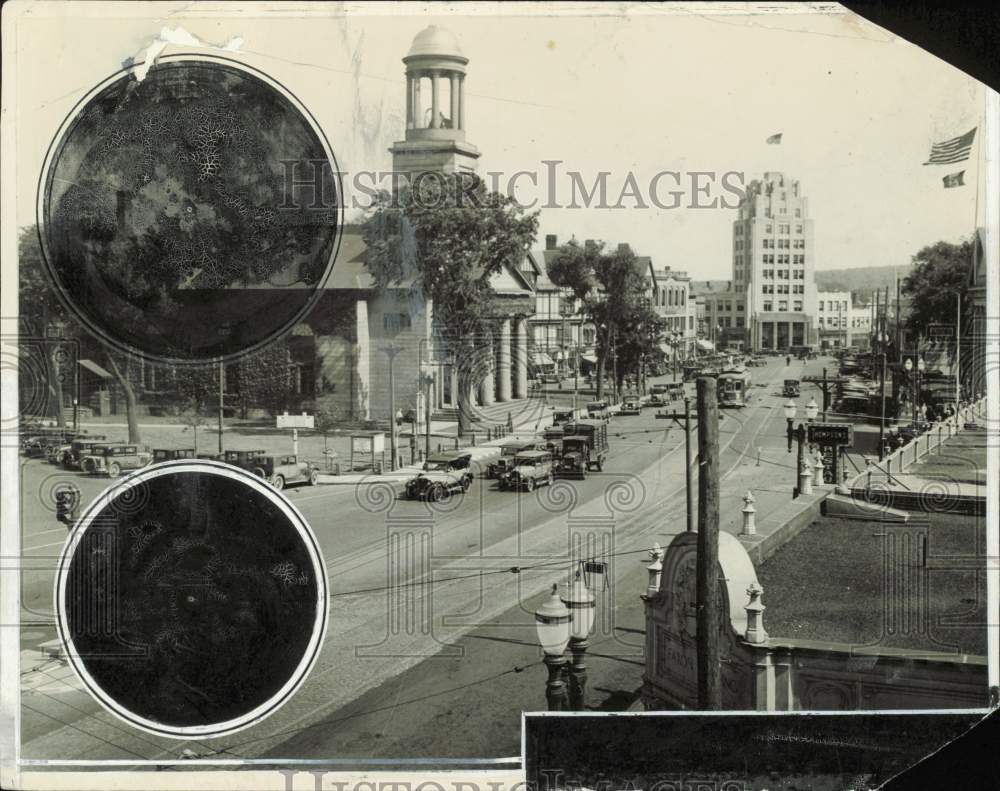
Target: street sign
point(828, 434)
point(940, 331)
point(295, 421)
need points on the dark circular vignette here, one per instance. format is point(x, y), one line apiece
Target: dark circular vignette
point(178, 216)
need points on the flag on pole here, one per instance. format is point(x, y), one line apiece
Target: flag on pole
point(951, 151)
point(954, 180)
point(773, 140)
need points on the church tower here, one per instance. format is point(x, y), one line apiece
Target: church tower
point(435, 108)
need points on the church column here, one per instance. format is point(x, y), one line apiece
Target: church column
point(461, 102)
point(418, 111)
point(503, 363)
point(487, 386)
point(409, 101)
point(435, 103)
point(454, 100)
point(521, 360)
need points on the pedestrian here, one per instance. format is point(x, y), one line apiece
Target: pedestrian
point(788, 361)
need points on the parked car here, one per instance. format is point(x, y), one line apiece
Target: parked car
point(38, 444)
point(113, 460)
point(561, 416)
point(598, 410)
point(443, 474)
point(531, 468)
point(73, 456)
point(658, 394)
point(169, 454)
point(631, 405)
point(244, 459)
point(508, 450)
point(791, 388)
point(280, 471)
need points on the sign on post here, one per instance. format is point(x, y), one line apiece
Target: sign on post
point(829, 437)
point(296, 421)
point(941, 331)
point(830, 434)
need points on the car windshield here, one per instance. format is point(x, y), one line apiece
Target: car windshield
point(512, 451)
point(526, 462)
point(437, 466)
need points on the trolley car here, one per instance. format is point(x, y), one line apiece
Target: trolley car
point(734, 387)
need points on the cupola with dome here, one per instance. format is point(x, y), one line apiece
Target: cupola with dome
point(435, 107)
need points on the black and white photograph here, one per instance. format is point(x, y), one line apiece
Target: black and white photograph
point(565, 396)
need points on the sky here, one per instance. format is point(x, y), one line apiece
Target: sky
point(692, 90)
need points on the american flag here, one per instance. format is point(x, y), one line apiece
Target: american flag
point(951, 151)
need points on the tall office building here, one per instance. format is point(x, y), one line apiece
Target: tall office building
point(774, 263)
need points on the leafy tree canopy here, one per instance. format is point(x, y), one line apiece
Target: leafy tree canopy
point(940, 271)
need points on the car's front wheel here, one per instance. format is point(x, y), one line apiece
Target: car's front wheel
point(529, 483)
point(278, 482)
point(466, 483)
point(313, 477)
point(114, 469)
point(437, 493)
point(551, 478)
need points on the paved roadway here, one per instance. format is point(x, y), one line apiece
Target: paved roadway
point(407, 578)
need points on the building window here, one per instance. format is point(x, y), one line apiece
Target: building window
point(767, 307)
point(797, 306)
point(798, 212)
point(767, 228)
point(739, 307)
point(782, 306)
point(739, 321)
point(767, 274)
point(395, 322)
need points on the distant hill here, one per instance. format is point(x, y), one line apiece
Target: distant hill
point(862, 279)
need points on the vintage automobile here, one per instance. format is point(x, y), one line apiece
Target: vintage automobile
point(112, 460)
point(444, 473)
point(169, 454)
point(531, 468)
point(598, 410)
point(73, 456)
point(37, 445)
point(508, 450)
point(584, 449)
point(791, 388)
point(658, 394)
point(280, 471)
point(631, 405)
point(553, 439)
point(244, 459)
point(560, 416)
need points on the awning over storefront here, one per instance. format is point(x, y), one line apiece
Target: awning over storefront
point(93, 367)
point(666, 348)
point(705, 346)
point(589, 358)
point(541, 358)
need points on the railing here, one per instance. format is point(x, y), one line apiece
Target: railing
point(920, 446)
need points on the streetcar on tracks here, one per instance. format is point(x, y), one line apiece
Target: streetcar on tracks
point(733, 387)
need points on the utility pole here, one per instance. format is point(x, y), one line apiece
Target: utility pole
point(709, 675)
point(428, 381)
point(391, 352)
point(958, 353)
point(222, 387)
point(688, 475)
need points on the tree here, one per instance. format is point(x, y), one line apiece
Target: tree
point(265, 379)
point(449, 235)
point(611, 288)
point(638, 340)
point(191, 416)
point(45, 317)
point(330, 414)
point(940, 271)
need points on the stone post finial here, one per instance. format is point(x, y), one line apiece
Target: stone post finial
point(806, 477)
point(755, 615)
point(819, 467)
point(749, 515)
point(654, 569)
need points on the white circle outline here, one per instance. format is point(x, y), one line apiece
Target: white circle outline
point(310, 655)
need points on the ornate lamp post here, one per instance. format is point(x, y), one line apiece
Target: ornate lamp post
point(552, 623)
point(582, 605)
point(798, 434)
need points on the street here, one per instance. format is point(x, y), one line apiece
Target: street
point(407, 578)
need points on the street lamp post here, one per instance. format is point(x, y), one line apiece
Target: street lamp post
point(552, 623)
point(582, 606)
point(799, 434)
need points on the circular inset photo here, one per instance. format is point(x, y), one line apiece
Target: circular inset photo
point(192, 215)
point(198, 614)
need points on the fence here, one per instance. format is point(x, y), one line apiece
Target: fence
point(897, 462)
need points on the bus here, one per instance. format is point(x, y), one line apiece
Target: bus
point(734, 387)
